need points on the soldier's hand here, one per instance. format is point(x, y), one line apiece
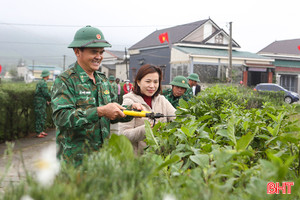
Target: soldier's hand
point(111, 111)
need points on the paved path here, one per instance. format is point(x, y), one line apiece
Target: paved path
point(27, 151)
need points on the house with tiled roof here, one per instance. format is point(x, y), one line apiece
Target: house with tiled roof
point(286, 55)
point(114, 63)
point(199, 47)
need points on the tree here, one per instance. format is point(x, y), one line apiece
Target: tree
point(13, 72)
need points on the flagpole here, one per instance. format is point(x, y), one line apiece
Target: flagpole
point(169, 43)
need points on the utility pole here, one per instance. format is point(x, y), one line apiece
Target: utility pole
point(127, 71)
point(0, 73)
point(230, 53)
point(33, 68)
point(64, 65)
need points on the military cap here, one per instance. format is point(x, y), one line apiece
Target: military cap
point(45, 73)
point(180, 81)
point(193, 77)
point(89, 37)
point(111, 78)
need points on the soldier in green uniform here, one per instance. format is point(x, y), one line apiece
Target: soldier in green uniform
point(194, 87)
point(41, 99)
point(179, 87)
point(114, 87)
point(81, 100)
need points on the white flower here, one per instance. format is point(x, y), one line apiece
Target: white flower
point(26, 197)
point(47, 166)
point(169, 197)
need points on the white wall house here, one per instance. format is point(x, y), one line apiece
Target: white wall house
point(200, 47)
point(114, 64)
point(23, 71)
point(31, 73)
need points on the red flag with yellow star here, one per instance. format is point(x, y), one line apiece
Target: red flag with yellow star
point(163, 37)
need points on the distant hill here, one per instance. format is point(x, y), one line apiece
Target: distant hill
point(17, 43)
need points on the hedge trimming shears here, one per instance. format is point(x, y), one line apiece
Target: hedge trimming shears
point(142, 113)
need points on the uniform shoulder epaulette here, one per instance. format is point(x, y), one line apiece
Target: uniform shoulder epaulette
point(67, 73)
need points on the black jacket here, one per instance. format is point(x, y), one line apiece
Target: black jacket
point(198, 89)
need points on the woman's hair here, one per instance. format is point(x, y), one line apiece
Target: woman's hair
point(143, 71)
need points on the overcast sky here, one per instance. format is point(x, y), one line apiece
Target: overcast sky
point(256, 23)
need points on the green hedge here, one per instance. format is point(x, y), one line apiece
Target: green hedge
point(215, 149)
point(242, 95)
point(17, 112)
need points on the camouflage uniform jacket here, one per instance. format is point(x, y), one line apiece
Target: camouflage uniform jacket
point(114, 92)
point(172, 99)
point(75, 99)
point(41, 97)
point(189, 93)
point(42, 94)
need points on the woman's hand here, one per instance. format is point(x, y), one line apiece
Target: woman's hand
point(137, 106)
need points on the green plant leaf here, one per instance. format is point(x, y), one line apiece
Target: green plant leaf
point(276, 130)
point(271, 130)
point(185, 130)
point(168, 162)
point(120, 146)
point(244, 141)
point(222, 132)
point(272, 139)
point(246, 125)
point(205, 117)
point(192, 130)
point(202, 132)
point(274, 159)
point(231, 129)
point(183, 103)
point(290, 137)
point(149, 134)
point(201, 159)
point(189, 131)
point(263, 136)
point(157, 126)
point(273, 117)
point(228, 185)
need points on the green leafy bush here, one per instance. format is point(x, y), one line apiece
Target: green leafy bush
point(17, 111)
point(217, 148)
point(219, 134)
point(112, 173)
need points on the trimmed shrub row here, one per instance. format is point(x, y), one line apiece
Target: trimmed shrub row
point(17, 111)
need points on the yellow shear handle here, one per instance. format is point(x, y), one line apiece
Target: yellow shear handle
point(136, 113)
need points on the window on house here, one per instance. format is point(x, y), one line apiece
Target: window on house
point(289, 82)
point(163, 70)
point(219, 39)
point(179, 70)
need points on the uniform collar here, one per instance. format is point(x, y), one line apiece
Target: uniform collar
point(82, 74)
